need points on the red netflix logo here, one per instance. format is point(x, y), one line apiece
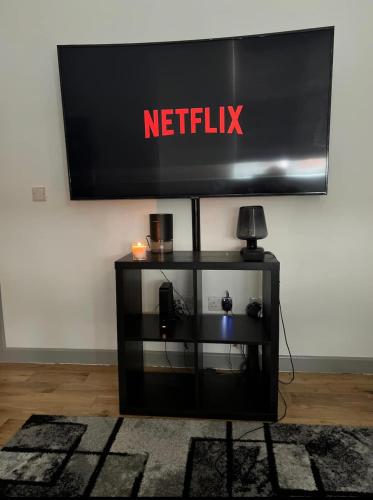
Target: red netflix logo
point(160, 122)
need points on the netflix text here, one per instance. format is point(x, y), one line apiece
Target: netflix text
point(163, 122)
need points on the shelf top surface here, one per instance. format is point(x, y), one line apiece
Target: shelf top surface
point(197, 260)
point(210, 328)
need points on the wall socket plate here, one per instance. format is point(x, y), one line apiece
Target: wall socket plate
point(39, 193)
point(214, 304)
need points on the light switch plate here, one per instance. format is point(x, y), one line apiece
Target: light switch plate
point(39, 193)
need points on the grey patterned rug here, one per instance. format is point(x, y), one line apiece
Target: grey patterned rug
point(154, 457)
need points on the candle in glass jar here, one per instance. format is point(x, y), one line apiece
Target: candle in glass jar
point(139, 250)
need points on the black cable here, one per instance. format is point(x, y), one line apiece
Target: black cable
point(168, 359)
point(288, 348)
point(166, 353)
point(284, 383)
point(242, 348)
point(245, 363)
point(253, 430)
point(229, 357)
point(177, 293)
point(286, 340)
point(280, 393)
point(186, 348)
point(285, 407)
point(271, 423)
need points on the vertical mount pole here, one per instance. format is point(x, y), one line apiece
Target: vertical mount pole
point(196, 224)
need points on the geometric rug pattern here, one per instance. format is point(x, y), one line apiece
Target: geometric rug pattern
point(56, 456)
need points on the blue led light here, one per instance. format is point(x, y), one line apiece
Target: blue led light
point(227, 326)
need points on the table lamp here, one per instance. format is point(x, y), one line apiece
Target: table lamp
point(252, 227)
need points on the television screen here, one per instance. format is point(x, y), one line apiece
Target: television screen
point(222, 117)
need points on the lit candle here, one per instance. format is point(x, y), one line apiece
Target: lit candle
point(139, 250)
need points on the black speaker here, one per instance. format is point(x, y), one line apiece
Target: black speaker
point(161, 233)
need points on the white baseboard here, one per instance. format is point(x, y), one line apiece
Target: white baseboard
point(157, 358)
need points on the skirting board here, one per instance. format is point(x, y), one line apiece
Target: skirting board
point(2, 331)
point(315, 364)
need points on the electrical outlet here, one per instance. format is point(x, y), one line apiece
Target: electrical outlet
point(214, 304)
point(39, 193)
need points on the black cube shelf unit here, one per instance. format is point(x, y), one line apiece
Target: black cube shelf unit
point(197, 391)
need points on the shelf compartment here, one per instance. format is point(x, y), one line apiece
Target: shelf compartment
point(146, 327)
point(231, 394)
point(237, 329)
point(160, 393)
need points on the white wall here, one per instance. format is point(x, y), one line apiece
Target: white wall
point(56, 258)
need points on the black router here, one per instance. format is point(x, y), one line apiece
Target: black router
point(166, 308)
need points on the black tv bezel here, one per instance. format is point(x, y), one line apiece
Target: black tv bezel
point(188, 196)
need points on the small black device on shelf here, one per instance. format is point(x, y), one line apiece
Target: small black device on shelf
point(161, 233)
point(227, 303)
point(252, 227)
point(166, 308)
point(254, 309)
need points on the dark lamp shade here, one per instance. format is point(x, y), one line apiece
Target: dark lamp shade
point(251, 223)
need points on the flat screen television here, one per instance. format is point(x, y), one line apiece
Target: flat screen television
point(220, 117)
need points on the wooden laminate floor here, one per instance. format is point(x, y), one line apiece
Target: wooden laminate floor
point(313, 398)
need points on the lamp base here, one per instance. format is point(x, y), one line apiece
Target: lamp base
point(252, 254)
